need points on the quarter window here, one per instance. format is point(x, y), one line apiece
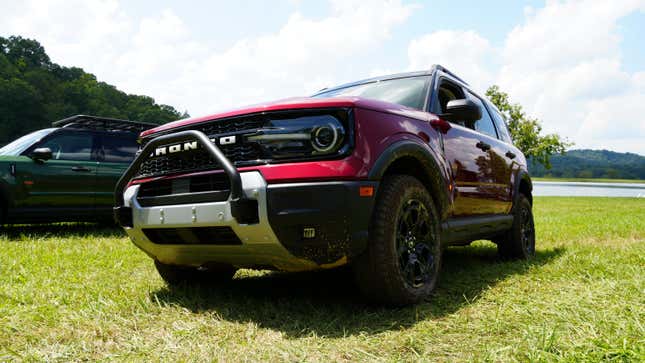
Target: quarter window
point(500, 122)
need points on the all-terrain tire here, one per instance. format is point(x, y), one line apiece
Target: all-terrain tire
point(176, 275)
point(519, 241)
point(383, 271)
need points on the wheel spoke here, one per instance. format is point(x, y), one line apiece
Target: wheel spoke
point(415, 240)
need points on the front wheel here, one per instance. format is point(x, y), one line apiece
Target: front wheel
point(176, 275)
point(519, 241)
point(402, 262)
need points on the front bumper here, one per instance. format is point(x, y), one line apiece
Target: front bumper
point(292, 227)
point(335, 211)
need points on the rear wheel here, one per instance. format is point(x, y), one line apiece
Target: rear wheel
point(519, 241)
point(175, 275)
point(402, 262)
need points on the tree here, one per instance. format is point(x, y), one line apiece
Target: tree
point(34, 92)
point(527, 131)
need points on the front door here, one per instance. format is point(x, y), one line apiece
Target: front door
point(65, 183)
point(471, 160)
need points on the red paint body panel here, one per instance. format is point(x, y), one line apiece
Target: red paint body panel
point(295, 104)
point(379, 126)
point(483, 182)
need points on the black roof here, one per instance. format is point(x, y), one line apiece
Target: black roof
point(103, 123)
point(395, 76)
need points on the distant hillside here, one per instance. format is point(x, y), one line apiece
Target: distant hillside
point(34, 92)
point(593, 164)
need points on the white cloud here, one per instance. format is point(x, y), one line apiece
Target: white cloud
point(465, 53)
point(157, 55)
point(563, 64)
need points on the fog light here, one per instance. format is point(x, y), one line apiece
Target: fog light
point(308, 232)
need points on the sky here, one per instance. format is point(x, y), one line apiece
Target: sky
point(578, 66)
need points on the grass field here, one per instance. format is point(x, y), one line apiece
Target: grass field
point(589, 180)
point(76, 292)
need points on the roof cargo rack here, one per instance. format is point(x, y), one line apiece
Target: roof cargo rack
point(103, 123)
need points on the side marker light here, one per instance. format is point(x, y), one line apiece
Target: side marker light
point(366, 191)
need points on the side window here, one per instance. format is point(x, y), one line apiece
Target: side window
point(118, 148)
point(68, 146)
point(500, 122)
point(484, 124)
point(448, 92)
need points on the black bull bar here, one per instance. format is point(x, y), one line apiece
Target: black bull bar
point(244, 210)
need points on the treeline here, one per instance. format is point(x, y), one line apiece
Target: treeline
point(34, 92)
point(593, 164)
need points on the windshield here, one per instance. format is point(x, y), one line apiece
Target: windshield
point(409, 91)
point(19, 145)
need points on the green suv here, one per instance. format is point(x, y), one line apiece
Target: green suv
point(67, 172)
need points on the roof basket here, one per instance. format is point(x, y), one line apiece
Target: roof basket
point(103, 123)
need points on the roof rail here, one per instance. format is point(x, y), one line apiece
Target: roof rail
point(445, 70)
point(103, 123)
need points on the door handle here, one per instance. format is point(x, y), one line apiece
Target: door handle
point(482, 145)
point(81, 168)
point(510, 155)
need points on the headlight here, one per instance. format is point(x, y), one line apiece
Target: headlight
point(314, 135)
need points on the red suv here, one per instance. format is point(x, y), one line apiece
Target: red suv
point(381, 174)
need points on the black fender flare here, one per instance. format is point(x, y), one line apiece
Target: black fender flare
point(522, 176)
point(422, 153)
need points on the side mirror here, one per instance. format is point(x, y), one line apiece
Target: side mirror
point(41, 154)
point(462, 110)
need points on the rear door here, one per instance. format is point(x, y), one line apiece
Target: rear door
point(115, 153)
point(65, 183)
point(507, 152)
point(499, 184)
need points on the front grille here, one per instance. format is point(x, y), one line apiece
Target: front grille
point(241, 153)
point(218, 127)
point(223, 236)
point(198, 160)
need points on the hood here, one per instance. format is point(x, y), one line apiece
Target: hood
point(295, 104)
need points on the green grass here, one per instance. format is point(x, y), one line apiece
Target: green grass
point(588, 180)
point(77, 292)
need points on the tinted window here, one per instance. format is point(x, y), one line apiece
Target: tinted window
point(118, 148)
point(409, 92)
point(500, 122)
point(448, 92)
point(484, 124)
point(19, 145)
point(70, 146)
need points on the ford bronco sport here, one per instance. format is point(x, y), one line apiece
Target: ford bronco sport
point(66, 172)
point(381, 174)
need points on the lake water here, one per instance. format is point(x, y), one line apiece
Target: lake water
point(579, 189)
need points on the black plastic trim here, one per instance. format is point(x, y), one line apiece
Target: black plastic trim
point(466, 229)
point(123, 216)
point(184, 198)
point(336, 210)
point(423, 154)
point(522, 175)
point(239, 204)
